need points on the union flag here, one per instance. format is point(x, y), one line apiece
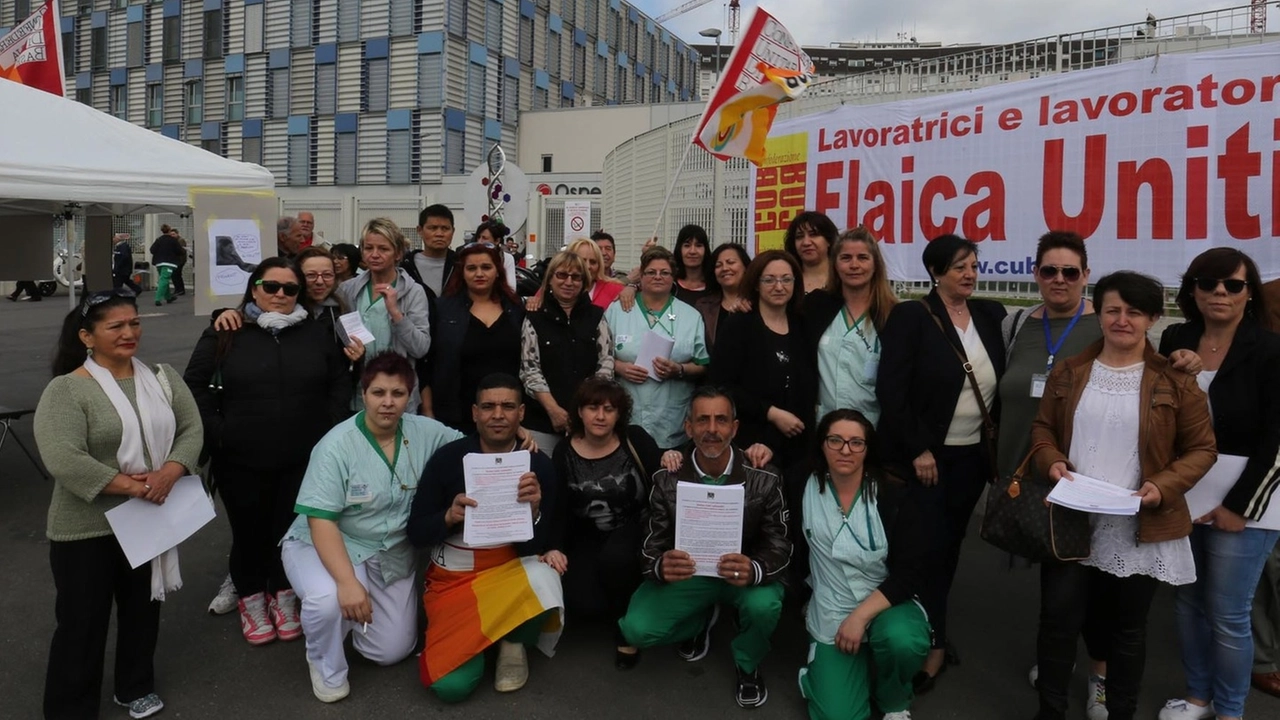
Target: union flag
point(31, 53)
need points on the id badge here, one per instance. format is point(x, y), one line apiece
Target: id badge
point(359, 492)
point(1037, 385)
point(871, 370)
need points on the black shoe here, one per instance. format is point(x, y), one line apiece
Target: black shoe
point(751, 690)
point(12, 298)
point(624, 660)
point(696, 649)
point(950, 655)
point(923, 682)
point(35, 298)
point(171, 299)
point(184, 292)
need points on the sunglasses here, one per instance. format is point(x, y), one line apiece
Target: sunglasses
point(562, 275)
point(102, 296)
point(271, 287)
point(1049, 272)
point(479, 243)
point(1234, 286)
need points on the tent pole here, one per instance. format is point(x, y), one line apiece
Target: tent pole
point(68, 265)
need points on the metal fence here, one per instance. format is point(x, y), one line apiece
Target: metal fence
point(715, 194)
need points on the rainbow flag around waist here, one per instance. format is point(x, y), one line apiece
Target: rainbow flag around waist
point(475, 597)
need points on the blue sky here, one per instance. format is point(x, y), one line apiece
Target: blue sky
point(819, 22)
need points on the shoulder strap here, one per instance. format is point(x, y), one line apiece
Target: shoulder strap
point(966, 365)
point(163, 379)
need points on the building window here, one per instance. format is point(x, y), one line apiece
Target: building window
point(277, 93)
point(172, 38)
point(406, 17)
point(213, 34)
point(620, 85)
point(401, 157)
point(68, 53)
point(344, 164)
point(455, 152)
point(301, 20)
point(457, 17)
point(299, 170)
point(526, 40)
point(493, 25)
point(251, 150)
point(539, 98)
point(133, 45)
point(235, 97)
point(611, 28)
point(476, 94)
point(592, 20)
point(120, 101)
point(546, 163)
point(348, 20)
point(253, 28)
point(213, 145)
point(326, 89)
point(195, 102)
point(374, 86)
point(553, 52)
point(155, 105)
point(579, 65)
point(21, 9)
point(601, 82)
point(98, 48)
point(430, 84)
point(508, 99)
point(84, 96)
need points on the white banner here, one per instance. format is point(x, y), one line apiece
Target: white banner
point(1152, 161)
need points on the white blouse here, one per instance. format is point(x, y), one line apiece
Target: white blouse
point(966, 421)
point(1104, 445)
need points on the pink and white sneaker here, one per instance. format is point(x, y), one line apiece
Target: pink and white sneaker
point(254, 623)
point(283, 610)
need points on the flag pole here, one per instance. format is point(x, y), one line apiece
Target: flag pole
point(671, 189)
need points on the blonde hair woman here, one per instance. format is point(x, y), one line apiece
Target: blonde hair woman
point(392, 306)
point(603, 288)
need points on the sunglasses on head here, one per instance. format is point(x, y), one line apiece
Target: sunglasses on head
point(271, 287)
point(102, 296)
point(1234, 286)
point(1049, 272)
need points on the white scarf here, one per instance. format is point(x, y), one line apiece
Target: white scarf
point(274, 322)
point(157, 429)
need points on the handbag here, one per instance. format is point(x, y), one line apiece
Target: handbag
point(1019, 520)
point(990, 432)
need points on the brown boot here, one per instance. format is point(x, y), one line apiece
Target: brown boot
point(1268, 683)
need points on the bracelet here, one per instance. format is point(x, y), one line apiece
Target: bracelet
point(681, 366)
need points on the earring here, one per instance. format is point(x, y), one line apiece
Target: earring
point(88, 350)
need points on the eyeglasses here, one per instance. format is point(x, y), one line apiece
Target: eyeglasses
point(770, 280)
point(479, 243)
point(312, 277)
point(1234, 286)
point(563, 275)
point(104, 295)
point(1049, 272)
point(837, 443)
point(271, 287)
point(663, 274)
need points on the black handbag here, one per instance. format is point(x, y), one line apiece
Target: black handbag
point(1018, 520)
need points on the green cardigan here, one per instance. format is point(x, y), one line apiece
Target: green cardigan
point(78, 432)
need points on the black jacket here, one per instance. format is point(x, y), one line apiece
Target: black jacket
point(269, 399)
point(921, 378)
point(911, 536)
point(122, 260)
point(1245, 400)
point(166, 250)
point(408, 265)
point(568, 346)
point(743, 362)
point(765, 536)
point(444, 361)
point(443, 480)
point(820, 310)
point(644, 453)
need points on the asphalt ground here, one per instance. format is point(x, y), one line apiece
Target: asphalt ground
point(206, 670)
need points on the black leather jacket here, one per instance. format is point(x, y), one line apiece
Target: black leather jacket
point(765, 537)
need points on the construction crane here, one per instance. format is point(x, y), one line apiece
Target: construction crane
point(735, 15)
point(1258, 17)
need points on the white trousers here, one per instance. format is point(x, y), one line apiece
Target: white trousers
point(390, 637)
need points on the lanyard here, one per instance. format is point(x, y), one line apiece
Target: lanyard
point(844, 517)
point(1052, 347)
point(856, 326)
point(655, 319)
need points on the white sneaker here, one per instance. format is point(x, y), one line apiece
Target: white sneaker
point(900, 715)
point(1095, 706)
point(513, 667)
point(226, 600)
point(1179, 709)
point(323, 692)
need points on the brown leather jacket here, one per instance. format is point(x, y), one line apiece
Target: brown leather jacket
point(1175, 435)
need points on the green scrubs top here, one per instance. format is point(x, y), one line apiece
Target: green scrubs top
point(848, 363)
point(848, 557)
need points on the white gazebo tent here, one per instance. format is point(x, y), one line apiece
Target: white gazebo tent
point(58, 155)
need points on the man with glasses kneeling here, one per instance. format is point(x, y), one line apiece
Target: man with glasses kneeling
point(479, 595)
point(672, 606)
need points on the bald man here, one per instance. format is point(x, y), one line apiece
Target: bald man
point(308, 223)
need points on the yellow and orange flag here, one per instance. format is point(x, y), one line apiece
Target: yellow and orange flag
point(31, 53)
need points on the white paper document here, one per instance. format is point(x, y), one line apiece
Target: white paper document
point(493, 481)
point(653, 345)
point(709, 523)
point(1214, 486)
point(146, 530)
point(353, 327)
point(235, 249)
point(1092, 495)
